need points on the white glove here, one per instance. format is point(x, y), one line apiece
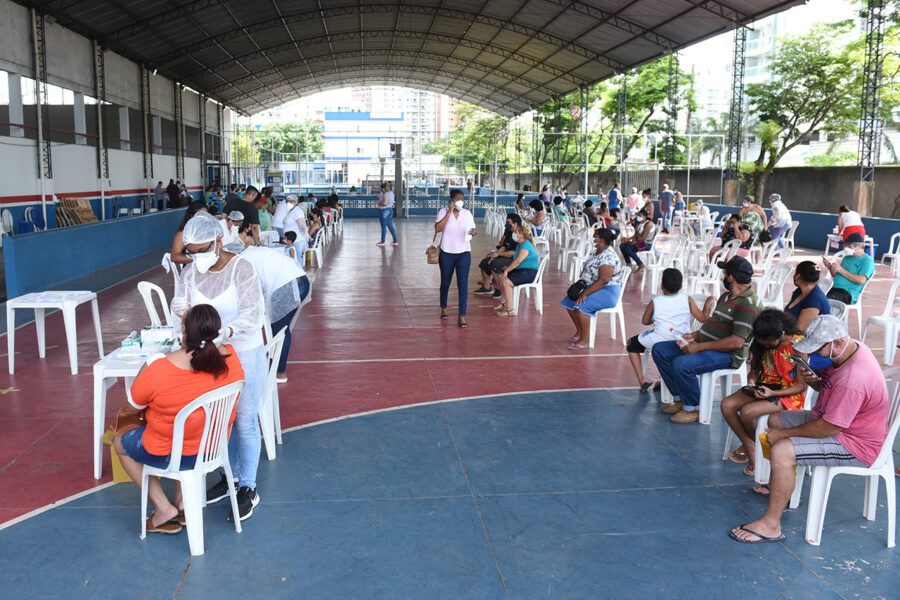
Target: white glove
point(225, 334)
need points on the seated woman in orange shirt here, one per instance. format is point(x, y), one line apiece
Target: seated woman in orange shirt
point(165, 385)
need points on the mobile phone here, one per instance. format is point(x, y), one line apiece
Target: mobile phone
point(803, 363)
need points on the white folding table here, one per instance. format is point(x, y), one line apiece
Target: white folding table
point(106, 371)
point(65, 301)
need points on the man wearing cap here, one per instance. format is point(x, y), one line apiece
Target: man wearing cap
point(851, 272)
point(247, 207)
point(781, 219)
point(721, 343)
point(847, 427)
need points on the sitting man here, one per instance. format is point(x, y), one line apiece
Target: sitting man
point(851, 272)
point(499, 259)
point(721, 343)
point(847, 426)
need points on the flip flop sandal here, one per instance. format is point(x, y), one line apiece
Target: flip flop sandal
point(749, 471)
point(579, 347)
point(574, 339)
point(500, 307)
point(506, 313)
point(169, 527)
point(181, 519)
point(444, 317)
point(462, 324)
point(738, 456)
point(757, 489)
point(762, 539)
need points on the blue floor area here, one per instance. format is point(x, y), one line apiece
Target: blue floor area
point(549, 495)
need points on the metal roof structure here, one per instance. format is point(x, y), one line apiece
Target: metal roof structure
point(506, 55)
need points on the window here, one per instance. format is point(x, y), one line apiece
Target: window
point(4, 88)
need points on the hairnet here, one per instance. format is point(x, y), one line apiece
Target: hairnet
point(201, 229)
point(291, 198)
point(236, 215)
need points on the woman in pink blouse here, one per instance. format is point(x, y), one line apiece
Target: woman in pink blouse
point(456, 226)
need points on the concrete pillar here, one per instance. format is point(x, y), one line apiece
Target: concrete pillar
point(157, 134)
point(16, 114)
point(124, 128)
point(863, 197)
point(732, 192)
point(80, 126)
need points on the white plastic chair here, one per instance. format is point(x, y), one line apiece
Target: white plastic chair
point(172, 268)
point(708, 387)
point(123, 212)
point(838, 309)
point(147, 290)
point(317, 250)
point(137, 211)
point(857, 306)
point(269, 407)
point(893, 253)
point(537, 285)
point(789, 236)
point(613, 312)
point(771, 289)
point(882, 468)
point(890, 322)
point(216, 407)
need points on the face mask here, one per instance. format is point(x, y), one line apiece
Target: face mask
point(515, 237)
point(508, 227)
point(819, 362)
point(205, 260)
point(746, 204)
point(459, 204)
point(726, 283)
point(639, 218)
point(234, 230)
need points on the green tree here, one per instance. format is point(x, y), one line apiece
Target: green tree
point(282, 141)
point(814, 86)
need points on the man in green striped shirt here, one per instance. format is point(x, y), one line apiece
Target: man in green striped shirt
point(721, 343)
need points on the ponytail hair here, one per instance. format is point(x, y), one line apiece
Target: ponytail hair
point(201, 327)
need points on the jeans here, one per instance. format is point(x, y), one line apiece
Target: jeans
point(244, 444)
point(461, 262)
point(666, 215)
point(386, 217)
point(679, 370)
point(778, 231)
point(630, 252)
point(284, 323)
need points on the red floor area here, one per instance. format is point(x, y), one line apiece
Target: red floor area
point(371, 338)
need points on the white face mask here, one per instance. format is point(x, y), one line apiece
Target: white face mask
point(459, 204)
point(639, 218)
point(205, 260)
point(746, 204)
point(234, 230)
point(515, 237)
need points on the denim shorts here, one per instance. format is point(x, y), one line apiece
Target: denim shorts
point(605, 297)
point(133, 443)
point(522, 276)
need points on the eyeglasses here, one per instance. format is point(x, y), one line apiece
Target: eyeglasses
point(209, 248)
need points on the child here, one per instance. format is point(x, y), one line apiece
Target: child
point(670, 315)
point(295, 249)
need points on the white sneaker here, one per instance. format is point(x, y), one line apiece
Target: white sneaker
point(280, 379)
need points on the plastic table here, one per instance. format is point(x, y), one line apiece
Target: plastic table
point(65, 301)
point(106, 371)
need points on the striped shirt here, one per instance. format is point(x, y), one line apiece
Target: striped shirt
point(732, 316)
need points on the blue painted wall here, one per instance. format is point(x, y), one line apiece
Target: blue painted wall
point(39, 261)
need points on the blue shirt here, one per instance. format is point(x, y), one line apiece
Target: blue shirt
point(665, 200)
point(531, 261)
point(815, 299)
point(613, 199)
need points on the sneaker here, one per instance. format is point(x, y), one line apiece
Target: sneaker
point(496, 294)
point(395, 243)
point(646, 386)
point(685, 416)
point(219, 491)
point(380, 244)
point(281, 379)
point(484, 290)
point(247, 499)
point(671, 409)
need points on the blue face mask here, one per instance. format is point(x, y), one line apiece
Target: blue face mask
point(819, 362)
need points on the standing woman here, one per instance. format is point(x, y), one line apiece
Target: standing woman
point(230, 284)
point(386, 214)
point(602, 276)
point(849, 222)
point(456, 226)
point(754, 217)
point(177, 251)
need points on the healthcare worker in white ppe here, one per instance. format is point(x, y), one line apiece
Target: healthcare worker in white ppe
point(230, 284)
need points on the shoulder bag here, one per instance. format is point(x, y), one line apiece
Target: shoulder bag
point(126, 419)
point(432, 253)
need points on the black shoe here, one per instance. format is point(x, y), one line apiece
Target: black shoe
point(484, 290)
point(496, 294)
point(247, 499)
point(219, 491)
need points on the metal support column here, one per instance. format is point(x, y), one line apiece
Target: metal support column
point(102, 151)
point(735, 113)
point(870, 123)
point(220, 147)
point(672, 112)
point(203, 143)
point(147, 129)
point(44, 155)
point(621, 122)
point(179, 132)
point(496, 175)
point(585, 92)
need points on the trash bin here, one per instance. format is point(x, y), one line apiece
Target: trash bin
point(872, 250)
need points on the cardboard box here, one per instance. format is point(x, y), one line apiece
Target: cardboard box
point(119, 473)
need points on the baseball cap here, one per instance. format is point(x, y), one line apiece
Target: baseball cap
point(820, 331)
point(739, 268)
point(854, 238)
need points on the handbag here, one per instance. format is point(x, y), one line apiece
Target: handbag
point(432, 253)
point(576, 289)
point(640, 245)
point(126, 419)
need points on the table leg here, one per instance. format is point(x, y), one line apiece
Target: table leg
point(11, 337)
point(39, 325)
point(99, 415)
point(71, 338)
point(96, 311)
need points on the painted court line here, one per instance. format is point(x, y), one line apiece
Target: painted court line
point(43, 509)
point(446, 358)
